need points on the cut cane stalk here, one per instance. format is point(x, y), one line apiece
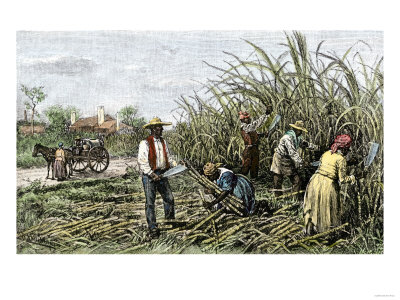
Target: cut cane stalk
point(319, 235)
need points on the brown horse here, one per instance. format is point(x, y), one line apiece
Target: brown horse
point(49, 155)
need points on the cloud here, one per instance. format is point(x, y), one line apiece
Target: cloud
point(63, 65)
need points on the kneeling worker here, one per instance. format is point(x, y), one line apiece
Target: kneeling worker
point(231, 183)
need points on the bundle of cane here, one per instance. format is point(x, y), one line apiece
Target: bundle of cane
point(232, 203)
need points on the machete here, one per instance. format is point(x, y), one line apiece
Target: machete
point(275, 121)
point(174, 171)
point(373, 150)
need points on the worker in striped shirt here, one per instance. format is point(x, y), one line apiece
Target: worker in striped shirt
point(287, 161)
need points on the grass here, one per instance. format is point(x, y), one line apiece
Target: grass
point(107, 216)
point(125, 144)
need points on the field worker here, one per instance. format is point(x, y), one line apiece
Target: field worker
point(153, 160)
point(251, 154)
point(287, 161)
point(322, 207)
point(59, 164)
point(230, 183)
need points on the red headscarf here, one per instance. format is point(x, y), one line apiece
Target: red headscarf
point(243, 115)
point(341, 141)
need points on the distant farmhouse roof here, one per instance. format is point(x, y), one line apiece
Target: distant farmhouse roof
point(90, 122)
point(91, 125)
point(27, 129)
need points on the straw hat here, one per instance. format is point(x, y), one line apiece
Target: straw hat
point(156, 121)
point(299, 125)
point(210, 169)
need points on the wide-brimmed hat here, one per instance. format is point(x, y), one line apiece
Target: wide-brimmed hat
point(156, 121)
point(299, 125)
point(210, 169)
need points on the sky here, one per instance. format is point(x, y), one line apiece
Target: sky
point(149, 69)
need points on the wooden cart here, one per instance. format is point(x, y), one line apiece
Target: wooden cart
point(90, 153)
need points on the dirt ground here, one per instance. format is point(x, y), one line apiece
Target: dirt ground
point(116, 167)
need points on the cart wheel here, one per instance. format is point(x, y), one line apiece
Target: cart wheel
point(79, 164)
point(98, 159)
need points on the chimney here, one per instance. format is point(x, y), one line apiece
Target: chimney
point(117, 121)
point(25, 116)
point(73, 117)
point(100, 115)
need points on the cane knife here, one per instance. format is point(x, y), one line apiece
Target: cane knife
point(173, 171)
point(373, 150)
point(275, 121)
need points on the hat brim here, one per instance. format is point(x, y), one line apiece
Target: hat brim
point(155, 124)
point(299, 128)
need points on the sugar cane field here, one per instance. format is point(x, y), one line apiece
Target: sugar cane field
point(332, 93)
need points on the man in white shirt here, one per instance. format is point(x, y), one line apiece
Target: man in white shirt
point(154, 159)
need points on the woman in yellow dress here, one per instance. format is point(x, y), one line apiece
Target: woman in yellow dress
point(322, 206)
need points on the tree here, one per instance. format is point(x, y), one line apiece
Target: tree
point(59, 117)
point(35, 95)
point(129, 116)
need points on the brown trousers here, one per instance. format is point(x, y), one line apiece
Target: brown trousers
point(250, 161)
point(294, 179)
